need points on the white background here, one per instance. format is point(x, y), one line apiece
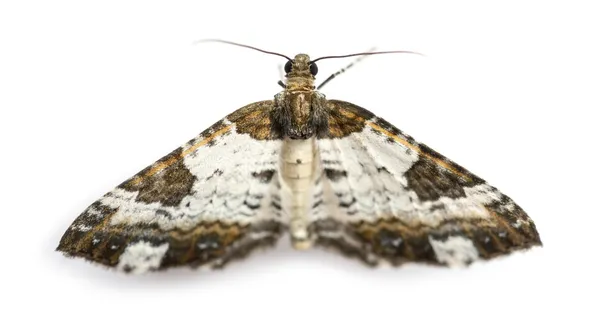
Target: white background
point(92, 92)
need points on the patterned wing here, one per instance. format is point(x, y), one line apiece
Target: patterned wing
point(385, 197)
point(207, 202)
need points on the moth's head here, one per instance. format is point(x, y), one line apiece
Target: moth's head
point(301, 66)
point(300, 73)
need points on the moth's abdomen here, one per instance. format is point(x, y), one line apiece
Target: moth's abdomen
point(298, 172)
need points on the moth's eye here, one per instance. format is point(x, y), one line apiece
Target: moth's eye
point(288, 67)
point(314, 69)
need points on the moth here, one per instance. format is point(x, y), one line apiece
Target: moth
point(327, 172)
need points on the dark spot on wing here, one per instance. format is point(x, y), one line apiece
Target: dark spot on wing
point(264, 176)
point(335, 175)
point(430, 181)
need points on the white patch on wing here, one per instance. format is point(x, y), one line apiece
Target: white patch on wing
point(141, 257)
point(238, 156)
point(432, 213)
point(375, 185)
point(374, 182)
point(454, 251)
point(225, 187)
point(82, 227)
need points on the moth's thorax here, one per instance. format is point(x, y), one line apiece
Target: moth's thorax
point(300, 108)
point(300, 115)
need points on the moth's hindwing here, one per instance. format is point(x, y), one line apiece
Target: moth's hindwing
point(207, 202)
point(385, 197)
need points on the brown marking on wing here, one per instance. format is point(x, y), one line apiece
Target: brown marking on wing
point(255, 120)
point(76, 242)
point(184, 245)
point(343, 119)
point(397, 242)
point(169, 187)
point(205, 243)
point(526, 231)
point(430, 182)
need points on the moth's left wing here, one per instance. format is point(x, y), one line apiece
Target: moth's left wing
point(207, 202)
point(385, 197)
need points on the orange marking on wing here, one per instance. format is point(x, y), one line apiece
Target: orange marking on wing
point(499, 220)
point(160, 166)
point(415, 148)
point(347, 113)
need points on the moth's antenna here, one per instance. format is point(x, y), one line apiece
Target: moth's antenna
point(240, 45)
point(365, 54)
point(342, 70)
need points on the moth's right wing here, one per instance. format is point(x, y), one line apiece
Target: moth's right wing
point(209, 201)
point(385, 197)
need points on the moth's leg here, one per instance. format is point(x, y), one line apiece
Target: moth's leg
point(342, 70)
point(281, 76)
